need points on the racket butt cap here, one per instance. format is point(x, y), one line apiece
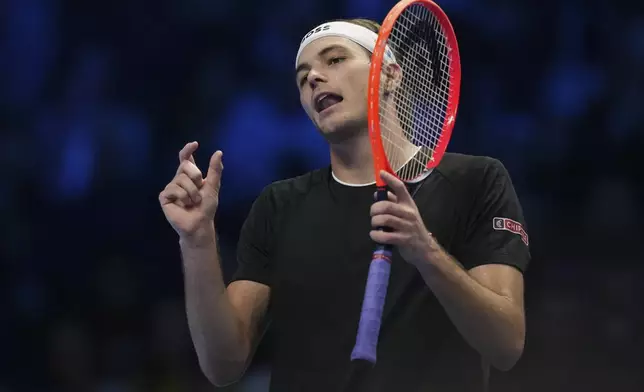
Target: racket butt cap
point(364, 355)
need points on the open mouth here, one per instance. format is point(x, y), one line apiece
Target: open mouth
point(326, 100)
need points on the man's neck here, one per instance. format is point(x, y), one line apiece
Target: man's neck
point(352, 160)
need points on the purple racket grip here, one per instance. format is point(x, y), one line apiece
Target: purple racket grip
point(372, 305)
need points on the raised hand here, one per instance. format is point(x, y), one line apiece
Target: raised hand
point(190, 201)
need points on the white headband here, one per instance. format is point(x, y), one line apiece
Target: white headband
point(358, 34)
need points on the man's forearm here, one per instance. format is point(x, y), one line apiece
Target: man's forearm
point(214, 327)
point(489, 322)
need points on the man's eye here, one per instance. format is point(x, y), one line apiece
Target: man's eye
point(335, 60)
point(303, 80)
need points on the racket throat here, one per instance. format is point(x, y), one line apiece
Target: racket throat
point(381, 193)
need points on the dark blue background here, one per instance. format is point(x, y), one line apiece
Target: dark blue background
point(97, 98)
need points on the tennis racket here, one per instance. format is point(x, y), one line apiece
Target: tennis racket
point(413, 92)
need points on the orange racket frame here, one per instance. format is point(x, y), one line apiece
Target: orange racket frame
point(373, 98)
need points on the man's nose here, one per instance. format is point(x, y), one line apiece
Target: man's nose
point(315, 77)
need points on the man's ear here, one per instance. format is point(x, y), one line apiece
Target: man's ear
point(392, 78)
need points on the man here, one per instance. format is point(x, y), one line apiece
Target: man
point(455, 300)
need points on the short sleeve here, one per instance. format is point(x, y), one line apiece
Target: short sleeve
point(255, 240)
point(496, 230)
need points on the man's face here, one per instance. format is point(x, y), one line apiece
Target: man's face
point(332, 78)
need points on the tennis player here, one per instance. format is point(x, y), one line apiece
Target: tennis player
point(455, 301)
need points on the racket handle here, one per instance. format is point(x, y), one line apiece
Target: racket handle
point(372, 305)
point(374, 298)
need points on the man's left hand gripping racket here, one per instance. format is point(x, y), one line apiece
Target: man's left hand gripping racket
point(414, 84)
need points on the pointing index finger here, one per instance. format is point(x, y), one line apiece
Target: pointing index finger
point(187, 151)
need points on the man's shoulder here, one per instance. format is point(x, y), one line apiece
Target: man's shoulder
point(453, 162)
point(456, 167)
point(282, 191)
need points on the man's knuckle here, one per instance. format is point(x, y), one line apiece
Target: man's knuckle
point(185, 181)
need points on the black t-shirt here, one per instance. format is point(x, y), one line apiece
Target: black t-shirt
point(308, 239)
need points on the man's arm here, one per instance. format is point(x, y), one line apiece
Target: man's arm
point(481, 285)
point(223, 321)
point(485, 305)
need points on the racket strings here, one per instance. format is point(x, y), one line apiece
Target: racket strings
point(413, 116)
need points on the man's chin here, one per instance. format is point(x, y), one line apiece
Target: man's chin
point(340, 132)
point(340, 135)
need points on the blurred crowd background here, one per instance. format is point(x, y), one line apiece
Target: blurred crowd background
point(97, 98)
